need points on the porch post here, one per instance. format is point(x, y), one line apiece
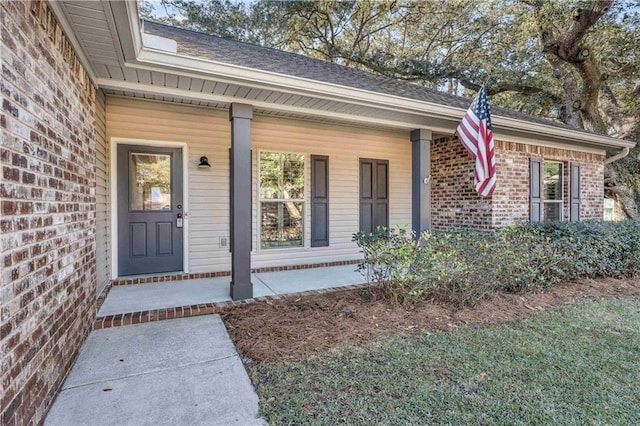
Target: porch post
point(240, 116)
point(421, 180)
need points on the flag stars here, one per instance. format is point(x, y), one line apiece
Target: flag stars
point(476, 135)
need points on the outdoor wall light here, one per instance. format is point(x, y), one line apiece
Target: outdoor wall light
point(204, 163)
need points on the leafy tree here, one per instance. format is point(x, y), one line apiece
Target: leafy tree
point(575, 61)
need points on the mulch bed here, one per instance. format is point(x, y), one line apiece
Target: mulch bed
point(291, 328)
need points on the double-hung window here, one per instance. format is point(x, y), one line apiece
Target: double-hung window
point(282, 200)
point(553, 197)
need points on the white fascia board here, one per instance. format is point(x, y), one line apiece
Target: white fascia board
point(134, 24)
point(442, 127)
point(249, 76)
point(265, 79)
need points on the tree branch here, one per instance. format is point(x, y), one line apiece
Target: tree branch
point(625, 125)
point(583, 20)
point(502, 87)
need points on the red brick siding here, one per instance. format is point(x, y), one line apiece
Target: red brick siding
point(592, 187)
point(511, 197)
point(454, 201)
point(47, 198)
point(455, 204)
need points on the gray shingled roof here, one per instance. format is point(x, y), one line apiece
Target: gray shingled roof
point(196, 44)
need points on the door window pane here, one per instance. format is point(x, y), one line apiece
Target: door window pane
point(281, 224)
point(149, 181)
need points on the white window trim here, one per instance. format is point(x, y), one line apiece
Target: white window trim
point(258, 248)
point(562, 183)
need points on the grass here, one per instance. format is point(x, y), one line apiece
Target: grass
point(576, 366)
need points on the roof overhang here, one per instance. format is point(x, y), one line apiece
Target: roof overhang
point(351, 104)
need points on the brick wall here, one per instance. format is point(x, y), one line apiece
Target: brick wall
point(454, 200)
point(455, 204)
point(511, 197)
point(47, 198)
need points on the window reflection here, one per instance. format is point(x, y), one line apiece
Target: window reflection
point(149, 182)
point(553, 190)
point(281, 200)
point(281, 224)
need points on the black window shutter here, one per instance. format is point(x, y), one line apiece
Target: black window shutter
point(574, 208)
point(367, 189)
point(374, 194)
point(381, 210)
point(535, 190)
point(319, 201)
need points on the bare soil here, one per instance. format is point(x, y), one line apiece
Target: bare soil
point(290, 328)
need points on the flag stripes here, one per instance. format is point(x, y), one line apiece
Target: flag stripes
point(476, 134)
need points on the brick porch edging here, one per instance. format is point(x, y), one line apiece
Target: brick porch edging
point(182, 277)
point(109, 321)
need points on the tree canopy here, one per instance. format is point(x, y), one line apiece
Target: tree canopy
point(574, 61)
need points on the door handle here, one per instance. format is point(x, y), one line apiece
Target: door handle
point(179, 220)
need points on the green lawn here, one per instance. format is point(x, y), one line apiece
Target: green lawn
point(576, 366)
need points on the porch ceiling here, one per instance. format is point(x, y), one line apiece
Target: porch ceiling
point(333, 112)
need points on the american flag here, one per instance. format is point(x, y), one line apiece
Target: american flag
point(476, 134)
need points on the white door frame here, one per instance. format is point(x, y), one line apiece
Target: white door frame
point(113, 196)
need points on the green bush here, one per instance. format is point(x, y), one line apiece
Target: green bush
point(465, 266)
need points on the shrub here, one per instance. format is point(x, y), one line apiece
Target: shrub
point(394, 260)
point(465, 266)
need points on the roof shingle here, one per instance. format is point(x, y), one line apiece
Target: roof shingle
point(196, 44)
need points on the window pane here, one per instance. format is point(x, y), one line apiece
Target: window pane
point(149, 182)
point(281, 175)
point(552, 211)
point(281, 224)
point(552, 181)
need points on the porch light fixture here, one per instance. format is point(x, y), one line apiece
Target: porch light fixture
point(204, 163)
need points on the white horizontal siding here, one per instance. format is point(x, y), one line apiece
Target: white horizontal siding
point(103, 244)
point(344, 145)
point(207, 132)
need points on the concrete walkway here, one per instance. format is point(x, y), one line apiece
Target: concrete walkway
point(181, 371)
point(143, 297)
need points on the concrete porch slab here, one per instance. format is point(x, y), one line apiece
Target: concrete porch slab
point(182, 371)
point(287, 282)
point(147, 297)
point(144, 297)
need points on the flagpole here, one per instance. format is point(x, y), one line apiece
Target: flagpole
point(486, 80)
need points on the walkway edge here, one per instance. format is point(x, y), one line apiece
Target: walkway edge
point(140, 317)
